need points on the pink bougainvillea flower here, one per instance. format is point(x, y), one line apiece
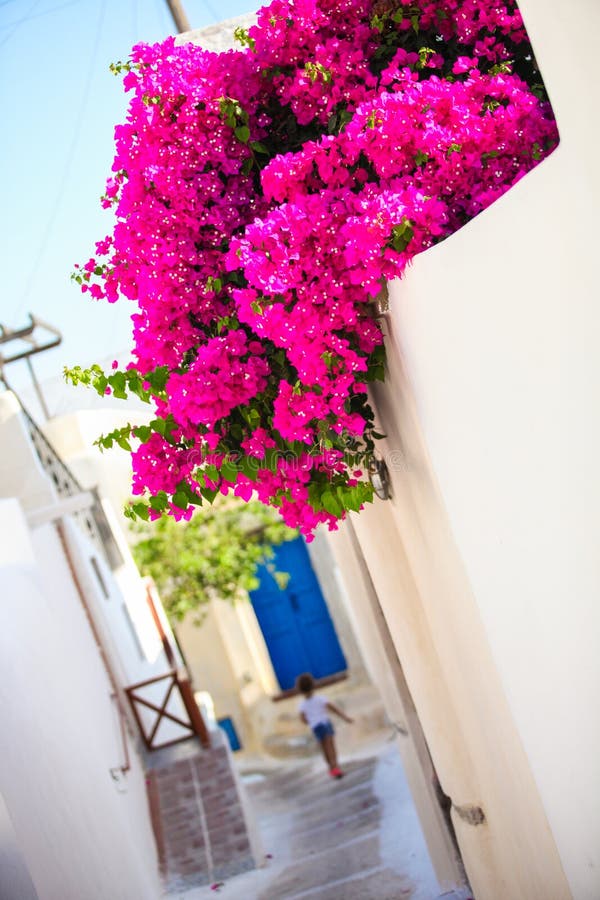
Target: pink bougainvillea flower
point(261, 198)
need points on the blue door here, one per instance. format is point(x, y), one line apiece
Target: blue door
point(295, 622)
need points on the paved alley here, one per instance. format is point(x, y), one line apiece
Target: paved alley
point(353, 839)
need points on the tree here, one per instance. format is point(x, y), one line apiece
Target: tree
point(216, 554)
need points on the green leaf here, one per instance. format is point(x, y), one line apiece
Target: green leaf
point(269, 460)
point(100, 383)
point(209, 493)
point(402, 235)
point(249, 467)
point(247, 165)
point(213, 284)
point(259, 148)
point(314, 495)
point(242, 37)
point(159, 502)
point(242, 133)
point(211, 472)
point(142, 433)
point(158, 378)
point(229, 471)
point(331, 503)
point(180, 500)
point(140, 510)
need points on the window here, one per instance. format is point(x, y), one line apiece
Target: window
point(99, 577)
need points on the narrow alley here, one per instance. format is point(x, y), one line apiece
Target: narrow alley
point(356, 838)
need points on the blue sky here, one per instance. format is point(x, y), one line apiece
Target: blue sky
point(59, 106)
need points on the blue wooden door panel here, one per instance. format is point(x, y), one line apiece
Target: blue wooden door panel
point(281, 635)
point(295, 622)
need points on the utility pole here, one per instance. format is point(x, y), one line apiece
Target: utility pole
point(179, 17)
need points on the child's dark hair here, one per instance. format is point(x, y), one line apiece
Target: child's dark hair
point(305, 683)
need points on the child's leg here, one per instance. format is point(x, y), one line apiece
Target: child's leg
point(329, 752)
point(325, 749)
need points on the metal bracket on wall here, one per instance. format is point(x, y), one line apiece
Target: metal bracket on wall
point(472, 815)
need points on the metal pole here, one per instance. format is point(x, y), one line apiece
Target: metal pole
point(179, 17)
point(37, 387)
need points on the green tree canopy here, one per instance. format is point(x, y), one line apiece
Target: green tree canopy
point(215, 554)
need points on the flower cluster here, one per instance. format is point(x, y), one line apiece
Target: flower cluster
point(261, 198)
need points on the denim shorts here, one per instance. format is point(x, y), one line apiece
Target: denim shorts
point(322, 730)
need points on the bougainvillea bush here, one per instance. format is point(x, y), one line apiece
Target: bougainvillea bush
point(262, 196)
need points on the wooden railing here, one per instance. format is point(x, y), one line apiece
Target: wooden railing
point(176, 684)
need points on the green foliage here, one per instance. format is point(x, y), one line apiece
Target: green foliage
point(402, 234)
point(120, 384)
point(242, 37)
point(216, 554)
point(317, 70)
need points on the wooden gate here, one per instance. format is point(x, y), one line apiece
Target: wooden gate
point(191, 721)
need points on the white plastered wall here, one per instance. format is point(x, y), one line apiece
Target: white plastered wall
point(213, 669)
point(493, 352)
point(80, 832)
point(334, 592)
point(117, 597)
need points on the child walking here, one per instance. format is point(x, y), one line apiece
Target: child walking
point(314, 712)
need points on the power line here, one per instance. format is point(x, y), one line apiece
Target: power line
point(15, 25)
point(44, 12)
point(33, 272)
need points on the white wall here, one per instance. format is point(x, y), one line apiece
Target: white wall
point(15, 880)
point(334, 592)
point(498, 330)
point(21, 473)
point(116, 597)
point(73, 437)
point(81, 833)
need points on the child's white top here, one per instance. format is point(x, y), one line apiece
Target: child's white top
point(314, 709)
